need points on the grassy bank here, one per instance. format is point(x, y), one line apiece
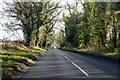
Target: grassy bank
point(17, 57)
point(99, 53)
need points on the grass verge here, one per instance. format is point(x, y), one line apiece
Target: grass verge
point(110, 55)
point(17, 57)
point(98, 53)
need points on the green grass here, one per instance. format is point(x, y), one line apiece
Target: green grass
point(102, 53)
point(12, 58)
point(108, 54)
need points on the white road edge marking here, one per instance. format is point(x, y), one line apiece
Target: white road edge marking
point(67, 58)
point(80, 69)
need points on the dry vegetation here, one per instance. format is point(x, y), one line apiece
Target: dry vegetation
point(17, 57)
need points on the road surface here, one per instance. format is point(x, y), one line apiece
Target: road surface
point(57, 63)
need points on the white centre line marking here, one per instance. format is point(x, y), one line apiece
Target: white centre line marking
point(61, 53)
point(67, 58)
point(80, 69)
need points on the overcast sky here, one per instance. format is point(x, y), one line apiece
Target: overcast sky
point(19, 34)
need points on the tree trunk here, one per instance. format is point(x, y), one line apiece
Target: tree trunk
point(44, 42)
point(115, 33)
point(37, 37)
point(115, 37)
point(28, 40)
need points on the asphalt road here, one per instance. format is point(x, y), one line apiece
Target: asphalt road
point(57, 63)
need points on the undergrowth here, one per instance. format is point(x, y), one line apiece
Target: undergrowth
point(16, 57)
